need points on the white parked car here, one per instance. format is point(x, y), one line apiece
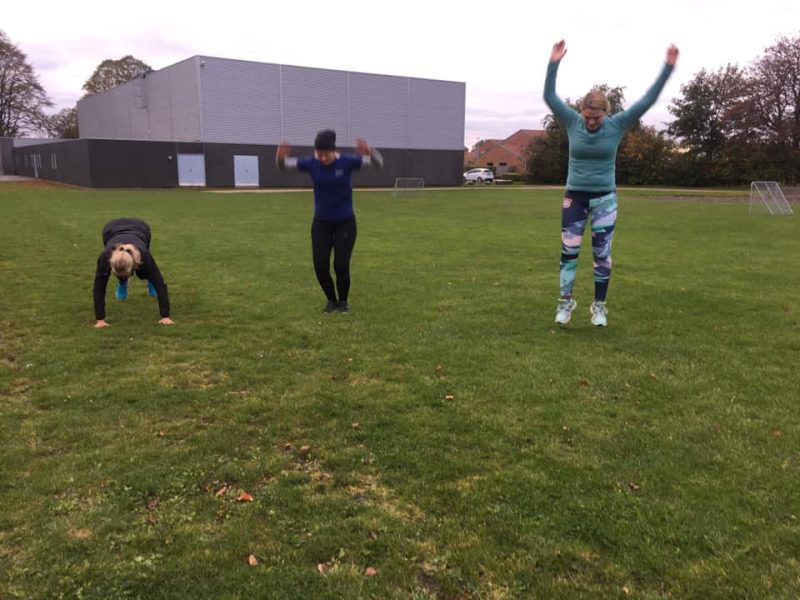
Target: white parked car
point(479, 175)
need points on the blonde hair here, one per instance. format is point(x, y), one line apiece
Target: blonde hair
point(125, 259)
point(596, 100)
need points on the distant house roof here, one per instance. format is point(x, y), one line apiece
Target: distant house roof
point(513, 146)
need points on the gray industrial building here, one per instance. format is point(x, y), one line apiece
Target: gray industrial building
point(217, 122)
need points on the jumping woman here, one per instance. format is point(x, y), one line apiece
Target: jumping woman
point(334, 224)
point(591, 193)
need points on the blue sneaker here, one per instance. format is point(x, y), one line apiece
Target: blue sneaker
point(122, 289)
point(151, 289)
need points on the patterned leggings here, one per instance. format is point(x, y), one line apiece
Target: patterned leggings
point(576, 209)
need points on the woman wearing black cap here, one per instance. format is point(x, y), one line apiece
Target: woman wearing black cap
point(334, 224)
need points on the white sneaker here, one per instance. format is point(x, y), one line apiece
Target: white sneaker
point(564, 310)
point(599, 313)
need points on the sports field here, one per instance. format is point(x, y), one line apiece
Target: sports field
point(443, 441)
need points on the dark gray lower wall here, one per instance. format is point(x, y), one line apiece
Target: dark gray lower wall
point(63, 161)
point(133, 163)
point(7, 166)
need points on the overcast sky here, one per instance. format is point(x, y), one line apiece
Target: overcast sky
point(500, 50)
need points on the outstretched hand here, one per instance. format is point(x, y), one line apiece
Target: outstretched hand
point(558, 52)
point(283, 150)
point(672, 55)
point(362, 146)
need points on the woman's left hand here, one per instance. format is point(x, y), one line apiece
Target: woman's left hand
point(362, 146)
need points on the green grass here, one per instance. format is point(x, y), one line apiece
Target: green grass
point(659, 457)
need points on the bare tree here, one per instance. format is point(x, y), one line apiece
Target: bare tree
point(22, 97)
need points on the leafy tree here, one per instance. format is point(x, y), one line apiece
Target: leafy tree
point(705, 114)
point(645, 157)
point(111, 73)
point(22, 97)
point(64, 124)
point(772, 112)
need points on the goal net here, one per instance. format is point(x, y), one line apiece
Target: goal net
point(408, 186)
point(767, 198)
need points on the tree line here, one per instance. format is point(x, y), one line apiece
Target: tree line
point(24, 102)
point(730, 126)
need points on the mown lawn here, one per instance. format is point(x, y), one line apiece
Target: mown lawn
point(445, 440)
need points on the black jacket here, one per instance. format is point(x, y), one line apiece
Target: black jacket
point(128, 231)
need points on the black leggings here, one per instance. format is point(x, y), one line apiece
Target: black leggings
point(339, 236)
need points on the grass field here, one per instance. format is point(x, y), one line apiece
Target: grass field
point(443, 441)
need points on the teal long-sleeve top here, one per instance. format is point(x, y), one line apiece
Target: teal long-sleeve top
point(593, 155)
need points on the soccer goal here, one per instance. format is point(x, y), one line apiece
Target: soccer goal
point(408, 186)
point(767, 198)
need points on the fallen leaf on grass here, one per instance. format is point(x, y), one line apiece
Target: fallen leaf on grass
point(449, 397)
point(245, 497)
point(287, 446)
point(584, 382)
point(777, 434)
point(161, 434)
point(626, 590)
point(634, 486)
point(305, 450)
point(221, 491)
point(252, 560)
point(355, 425)
point(322, 567)
point(153, 502)
point(370, 572)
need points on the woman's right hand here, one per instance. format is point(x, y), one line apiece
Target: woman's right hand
point(558, 52)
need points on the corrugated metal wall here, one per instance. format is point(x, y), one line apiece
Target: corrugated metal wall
point(160, 105)
point(239, 103)
point(233, 101)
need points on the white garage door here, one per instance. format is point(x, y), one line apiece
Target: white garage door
point(245, 170)
point(191, 169)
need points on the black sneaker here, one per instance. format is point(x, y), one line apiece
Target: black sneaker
point(330, 307)
point(344, 307)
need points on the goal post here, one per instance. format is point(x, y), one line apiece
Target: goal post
point(767, 198)
point(408, 186)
